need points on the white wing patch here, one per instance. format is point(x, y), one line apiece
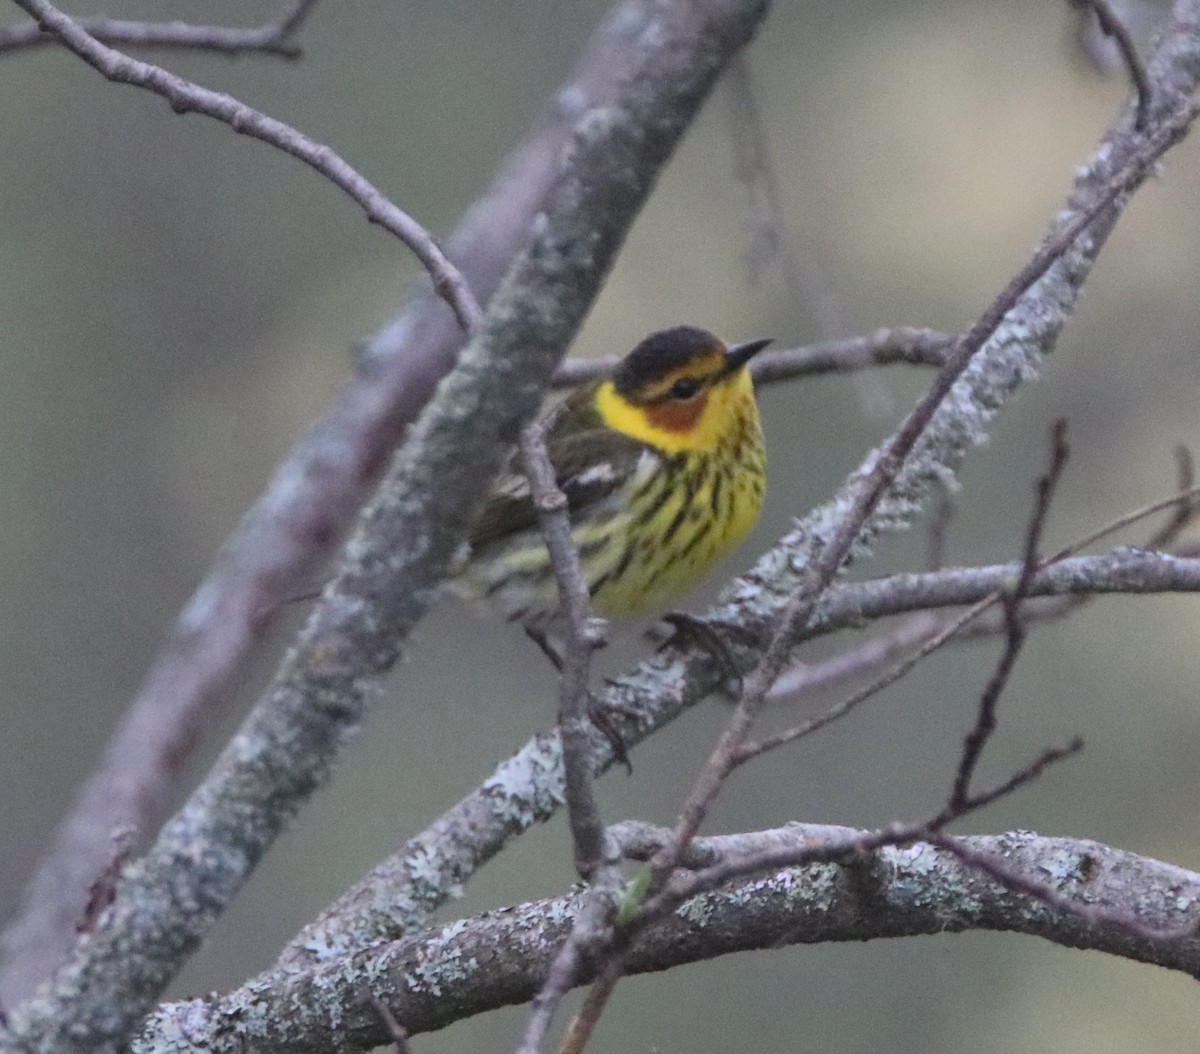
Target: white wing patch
point(601, 473)
point(648, 465)
point(512, 485)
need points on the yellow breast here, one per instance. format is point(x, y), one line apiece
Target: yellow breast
point(692, 501)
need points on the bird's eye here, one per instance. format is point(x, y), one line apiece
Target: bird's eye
point(684, 388)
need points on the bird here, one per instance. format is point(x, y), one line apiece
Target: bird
point(663, 466)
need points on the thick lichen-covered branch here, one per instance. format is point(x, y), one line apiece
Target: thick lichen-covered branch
point(435, 978)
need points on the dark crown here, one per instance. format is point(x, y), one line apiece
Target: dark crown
point(660, 353)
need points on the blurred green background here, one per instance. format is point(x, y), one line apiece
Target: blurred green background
point(177, 303)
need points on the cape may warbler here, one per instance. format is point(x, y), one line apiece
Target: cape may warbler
point(663, 468)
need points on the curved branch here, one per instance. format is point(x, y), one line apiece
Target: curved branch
point(884, 347)
point(501, 958)
point(186, 97)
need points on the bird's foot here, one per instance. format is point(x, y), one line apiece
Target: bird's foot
point(688, 632)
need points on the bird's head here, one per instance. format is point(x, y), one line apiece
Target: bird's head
point(680, 389)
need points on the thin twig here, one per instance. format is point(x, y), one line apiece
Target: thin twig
point(589, 936)
point(931, 634)
point(293, 17)
point(978, 799)
point(1184, 499)
point(805, 678)
point(594, 1004)
point(925, 631)
point(187, 97)
point(1114, 28)
point(1187, 508)
point(583, 635)
point(930, 642)
point(1015, 631)
point(994, 867)
point(781, 852)
point(271, 38)
point(396, 1030)
point(899, 345)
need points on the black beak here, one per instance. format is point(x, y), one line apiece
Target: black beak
point(739, 354)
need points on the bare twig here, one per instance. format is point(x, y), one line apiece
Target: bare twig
point(932, 633)
point(1015, 632)
point(1184, 506)
point(590, 935)
point(806, 677)
point(271, 38)
point(901, 345)
point(593, 1008)
point(583, 635)
point(1187, 508)
point(929, 643)
point(977, 800)
point(1114, 28)
point(783, 852)
point(919, 630)
point(925, 632)
point(396, 1030)
point(1012, 878)
point(294, 16)
point(187, 97)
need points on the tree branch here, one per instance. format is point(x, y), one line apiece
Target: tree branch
point(186, 97)
point(901, 345)
point(584, 635)
point(1112, 27)
point(501, 958)
point(271, 38)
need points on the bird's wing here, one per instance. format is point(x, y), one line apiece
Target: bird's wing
point(590, 462)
